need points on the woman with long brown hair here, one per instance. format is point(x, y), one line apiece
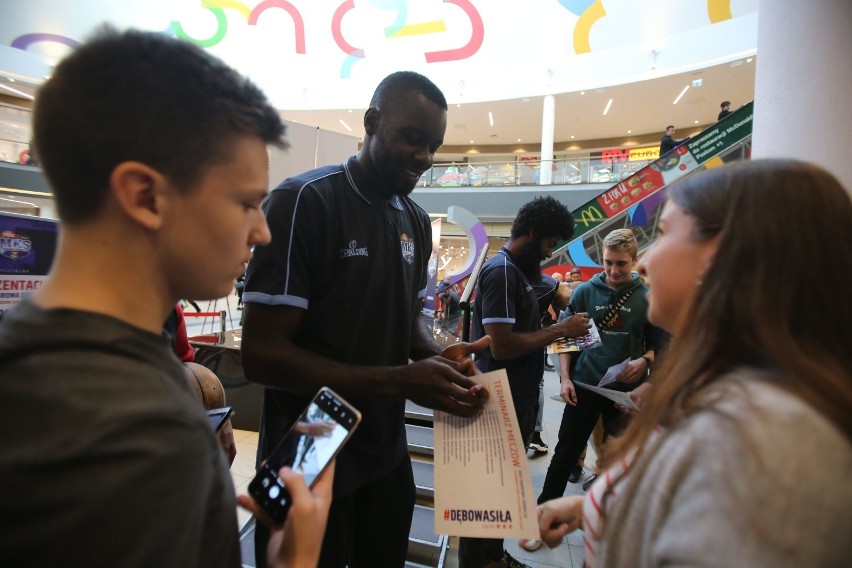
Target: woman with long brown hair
point(742, 454)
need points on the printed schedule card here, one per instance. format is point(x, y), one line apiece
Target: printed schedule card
point(482, 478)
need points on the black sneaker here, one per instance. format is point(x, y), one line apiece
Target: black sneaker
point(575, 475)
point(537, 444)
point(588, 482)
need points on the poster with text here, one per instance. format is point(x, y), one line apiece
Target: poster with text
point(482, 479)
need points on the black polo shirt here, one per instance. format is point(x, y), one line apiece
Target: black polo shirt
point(356, 263)
point(504, 295)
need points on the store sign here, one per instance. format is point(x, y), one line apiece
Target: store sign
point(616, 155)
point(647, 153)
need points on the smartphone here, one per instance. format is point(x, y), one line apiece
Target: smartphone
point(313, 441)
point(218, 417)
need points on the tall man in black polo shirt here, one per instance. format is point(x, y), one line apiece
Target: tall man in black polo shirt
point(507, 310)
point(335, 299)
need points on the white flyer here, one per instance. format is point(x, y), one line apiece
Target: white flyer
point(622, 398)
point(483, 486)
point(612, 372)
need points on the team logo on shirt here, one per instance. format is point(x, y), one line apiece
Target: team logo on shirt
point(354, 250)
point(14, 246)
point(407, 248)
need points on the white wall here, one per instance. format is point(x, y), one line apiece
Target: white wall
point(310, 147)
point(803, 83)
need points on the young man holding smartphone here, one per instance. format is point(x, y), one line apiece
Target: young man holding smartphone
point(156, 154)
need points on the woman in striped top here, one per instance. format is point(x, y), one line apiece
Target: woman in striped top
point(742, 452)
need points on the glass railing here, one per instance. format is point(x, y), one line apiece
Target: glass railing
point(13, 151)
point(564, 171)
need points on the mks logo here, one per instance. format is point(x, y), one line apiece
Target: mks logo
point(14, 246)
point(407, 248)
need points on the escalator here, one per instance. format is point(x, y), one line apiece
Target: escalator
point(635, 202)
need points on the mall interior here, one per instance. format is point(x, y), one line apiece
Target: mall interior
point(568, 99)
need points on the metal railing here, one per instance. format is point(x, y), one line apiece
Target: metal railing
point(564, 171)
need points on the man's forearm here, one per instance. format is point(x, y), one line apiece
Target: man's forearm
point(514, 344)
point(293, 369)
point(423, 343)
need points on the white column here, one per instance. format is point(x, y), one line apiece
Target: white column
point(803, 83)
point(548, 122)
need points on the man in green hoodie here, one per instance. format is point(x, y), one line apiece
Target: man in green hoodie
point(615, 299)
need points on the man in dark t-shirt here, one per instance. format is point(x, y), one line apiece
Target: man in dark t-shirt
point(350, 232)
point(507, 309)
point(669, 142)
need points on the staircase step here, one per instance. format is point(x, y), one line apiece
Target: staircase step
point(416, 412)
point(424, 479)
point(425, 548)
point(421, 440)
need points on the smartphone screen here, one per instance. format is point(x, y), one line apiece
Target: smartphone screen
point(313, 441)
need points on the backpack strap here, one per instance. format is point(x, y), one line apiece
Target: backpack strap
point(612, 311)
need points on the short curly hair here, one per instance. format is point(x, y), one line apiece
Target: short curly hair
point(543, 217)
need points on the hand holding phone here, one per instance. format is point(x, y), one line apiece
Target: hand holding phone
point(314, 440)
point(300, 539)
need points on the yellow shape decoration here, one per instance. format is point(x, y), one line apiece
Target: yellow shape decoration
point(423, 28)
point(233, 4)
point(584, 25)
point(719, 10)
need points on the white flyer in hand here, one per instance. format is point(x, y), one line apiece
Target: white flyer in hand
point(482, 479)
point(612, 372)
point(622, 398)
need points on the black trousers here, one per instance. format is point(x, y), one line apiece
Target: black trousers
point(574, 431)
point(478, 552)
point(366, 529)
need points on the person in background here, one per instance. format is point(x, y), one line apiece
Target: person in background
point(753, 379)
point(617, 298)
point(507, 309)
point(575, 275)
point(352, 231)
point(726, 110)
point(107, 457)
point(668, 142)
point(451, 312)
point(555, 303)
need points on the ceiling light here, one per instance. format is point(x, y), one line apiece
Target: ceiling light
point(630, 132)
point(749, 60)
point(350, 110)
point(471, 141)
point(683, 92)
point(458, 106)
point(17, 92)
point(11, 79)
point(696, 122)
point(519, 139)
point(346, 126)
point(609, 104)
point(572, 138)
point(582, 92)
point(490, 118)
